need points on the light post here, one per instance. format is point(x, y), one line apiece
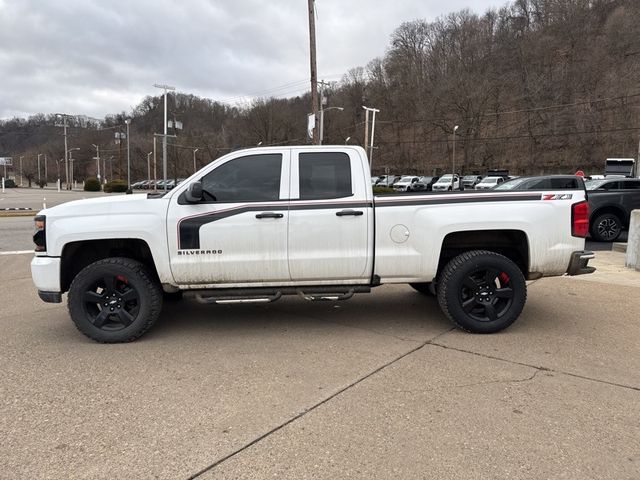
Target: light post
point(164, 138)
point(97, 159)
point(322, 110)
point(149, 166)
point(21, 170)
point(346, 140)
point(39, 155)
point(453, 160)
point(70, 152)
point(195, 169)
point(128, 121)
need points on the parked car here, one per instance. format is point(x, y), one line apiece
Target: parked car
point(387, 180)
point(610, 203)
point(445, 183)
point(470, 181)
point(488, 183)
point(405, 184)
point(543, 182)
point(424, 184)
point(374, 180)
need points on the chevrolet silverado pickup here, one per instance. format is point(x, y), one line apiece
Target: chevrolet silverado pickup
point(261, 223)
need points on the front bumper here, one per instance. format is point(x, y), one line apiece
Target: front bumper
point(579, 263)
point(45, 273)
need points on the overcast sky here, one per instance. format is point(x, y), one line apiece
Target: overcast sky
point(98, 57)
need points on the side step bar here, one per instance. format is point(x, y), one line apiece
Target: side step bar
point(268, 295)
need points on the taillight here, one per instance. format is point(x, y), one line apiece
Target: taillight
point(40, 237)
point(580, 219)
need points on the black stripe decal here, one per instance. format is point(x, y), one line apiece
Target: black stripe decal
point(189, 227)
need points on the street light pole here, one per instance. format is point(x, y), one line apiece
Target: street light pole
point(195, 169)
point(39, 155)
point(128, 121)
point(453, 162)
point(97, 158)
point(21, 170)
point(70, 153)
point(164, 138)
point(373, 129)
point(149, 166)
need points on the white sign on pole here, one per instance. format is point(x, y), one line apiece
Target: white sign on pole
point(6, 161)
point(311, 123)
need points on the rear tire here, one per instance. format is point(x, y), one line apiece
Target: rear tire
point(606, 228)
point(114, 300)
point(482, 291)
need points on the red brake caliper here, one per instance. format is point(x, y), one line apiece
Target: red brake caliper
point(504, 278)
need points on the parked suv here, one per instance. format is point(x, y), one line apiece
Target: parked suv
point(470, 181)
point(445, 183)
point(610, 203)
point(405, 184)
point(424, 184)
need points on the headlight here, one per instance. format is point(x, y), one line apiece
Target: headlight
point(40, 237)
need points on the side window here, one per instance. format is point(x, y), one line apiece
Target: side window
point(254, 178)
point(325, 175)
point(632, 185)
point(564, 184)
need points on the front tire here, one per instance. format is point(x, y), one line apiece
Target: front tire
point(606, 228)
point(482, 291)
point(114, 300)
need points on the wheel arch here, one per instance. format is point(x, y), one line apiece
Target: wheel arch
point(513, 244)
point(613, 209)
point(77, 255)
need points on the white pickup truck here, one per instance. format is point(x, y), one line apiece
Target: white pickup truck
point(261, 223)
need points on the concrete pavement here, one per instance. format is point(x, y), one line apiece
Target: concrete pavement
point(376, 387)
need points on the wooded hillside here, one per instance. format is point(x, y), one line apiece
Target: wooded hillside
point(539, 86)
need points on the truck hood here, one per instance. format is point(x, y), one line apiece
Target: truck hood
point(108, 205)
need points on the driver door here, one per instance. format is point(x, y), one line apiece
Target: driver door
point(237, 234)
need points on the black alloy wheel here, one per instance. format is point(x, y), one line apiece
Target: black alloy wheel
point(606, 228)
point(482, 291)
point(114, 300)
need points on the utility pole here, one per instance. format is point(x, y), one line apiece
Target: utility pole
point(314, 74)
point(46, 176)
point(66, 148)
point(21, 170)
point(39, 155)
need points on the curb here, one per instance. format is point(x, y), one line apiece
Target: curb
point(17, 213)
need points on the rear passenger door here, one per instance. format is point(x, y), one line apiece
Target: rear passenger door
point(330, 218)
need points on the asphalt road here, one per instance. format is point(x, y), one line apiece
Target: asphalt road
point(379, 386)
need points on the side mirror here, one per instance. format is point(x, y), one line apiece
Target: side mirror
point(194, 193)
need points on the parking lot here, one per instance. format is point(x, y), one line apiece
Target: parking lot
point(379, 386)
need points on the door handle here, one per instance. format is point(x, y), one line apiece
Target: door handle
point(344, 213)
point(269, 215)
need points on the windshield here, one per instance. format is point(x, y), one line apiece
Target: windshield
point(594, 184)
point(513, 184)
point(469, 178)
point(406, 179)
point(490, 180)
point(445, 178)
